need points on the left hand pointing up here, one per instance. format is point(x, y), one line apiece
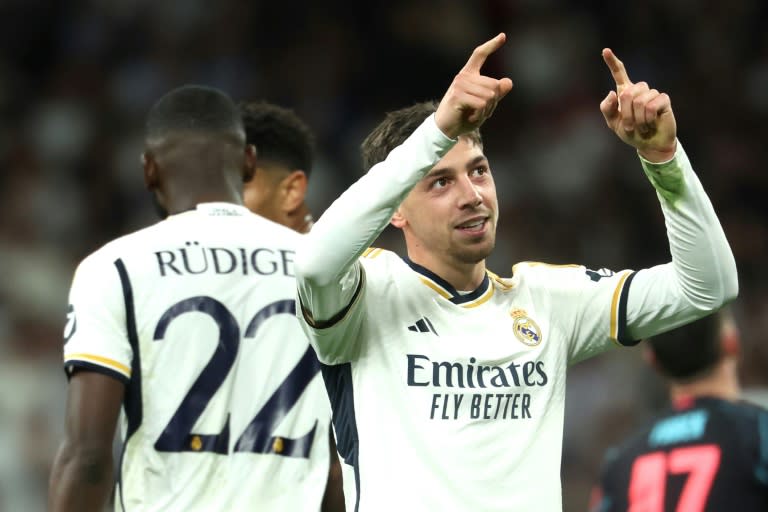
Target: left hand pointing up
point(640, 116)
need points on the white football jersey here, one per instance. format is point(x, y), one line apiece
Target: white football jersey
point(474, 382)
point(453, 401)
point(225, 408)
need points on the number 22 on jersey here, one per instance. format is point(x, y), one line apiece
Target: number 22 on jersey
point(258, 436)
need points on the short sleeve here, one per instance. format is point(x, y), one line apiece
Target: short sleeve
point(95, 335)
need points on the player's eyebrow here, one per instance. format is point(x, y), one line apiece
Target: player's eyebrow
point(442, 171)
point(473, 163)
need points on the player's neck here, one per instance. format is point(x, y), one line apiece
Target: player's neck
point(721, 383)
point(462, 276)
point(177, 201)
point(300, 220)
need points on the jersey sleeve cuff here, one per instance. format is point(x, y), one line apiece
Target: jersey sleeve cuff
point(437, 134)
point(619, 311)
point(338, 317)
point(70, 367)
point(667, 177)
point(97, 363)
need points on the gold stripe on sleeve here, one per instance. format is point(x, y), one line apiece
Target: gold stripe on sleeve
point(372, 252)
point(104, 361)
point(614, 330)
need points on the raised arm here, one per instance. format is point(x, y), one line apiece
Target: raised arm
point(702, 275)
point(326, 263)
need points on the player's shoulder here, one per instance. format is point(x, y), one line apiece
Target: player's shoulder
point(383, 267)
point(99, 265)
point(540, 267)
point(634, 443)
point(104, 257)
point(233, 225)
point(269, 227)
point(205, 227)
point(547, 272)
point(373, 253)
point(741, 410)
point(383, 259)
point(560, 276)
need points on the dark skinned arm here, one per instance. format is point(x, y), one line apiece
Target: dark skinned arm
point(333, 499)
point(82, 477)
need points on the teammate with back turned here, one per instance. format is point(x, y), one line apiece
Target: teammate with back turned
point(709, 452)
point(285, 148)
point(448, 382)
point(189, 326)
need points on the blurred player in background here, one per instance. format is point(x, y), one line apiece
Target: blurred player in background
point(448, 382)
point(710, 451)
point(285, 148)
point(189, 326)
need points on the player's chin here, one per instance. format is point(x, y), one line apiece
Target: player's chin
point(477, 251)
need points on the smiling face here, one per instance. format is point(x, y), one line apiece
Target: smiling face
point(449, 218)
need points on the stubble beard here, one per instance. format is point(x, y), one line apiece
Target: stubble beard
point(474, 254)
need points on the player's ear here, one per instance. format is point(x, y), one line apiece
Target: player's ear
point(293, 190)
point(398, 220)
point(151, 177)
point(730, 344)
point(728, 332)
point(249, 163)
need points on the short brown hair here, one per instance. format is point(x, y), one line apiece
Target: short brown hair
point(397, 126)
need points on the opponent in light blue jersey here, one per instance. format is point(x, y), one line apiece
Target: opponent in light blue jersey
point(447, 382)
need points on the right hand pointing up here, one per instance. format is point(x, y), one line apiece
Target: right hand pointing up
point(472, 97)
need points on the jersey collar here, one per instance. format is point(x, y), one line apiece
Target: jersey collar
point(467, 300)
point(222, 209)
point(684, 402)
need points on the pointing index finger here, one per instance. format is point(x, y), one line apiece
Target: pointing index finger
point(617, 68)
point(481, 53)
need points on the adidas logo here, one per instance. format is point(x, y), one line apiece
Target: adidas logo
point(423, 325)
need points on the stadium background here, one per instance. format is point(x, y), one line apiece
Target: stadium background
point(77, 77)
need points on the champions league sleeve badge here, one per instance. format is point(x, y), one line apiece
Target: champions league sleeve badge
point(525, 329)
point(71, 326)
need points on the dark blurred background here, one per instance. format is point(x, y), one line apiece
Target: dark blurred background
point(77, 77)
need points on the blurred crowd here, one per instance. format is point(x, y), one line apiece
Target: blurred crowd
point(77, 78)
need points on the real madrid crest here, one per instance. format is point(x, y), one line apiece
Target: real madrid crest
point(525, 328)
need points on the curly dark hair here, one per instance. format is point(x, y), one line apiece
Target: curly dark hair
point(279, 135)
